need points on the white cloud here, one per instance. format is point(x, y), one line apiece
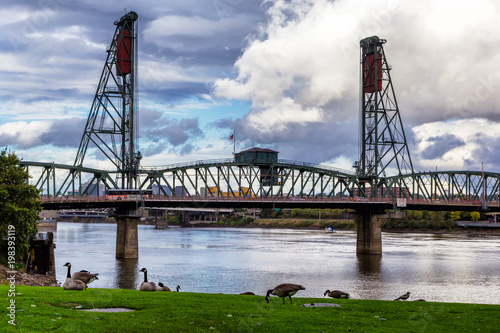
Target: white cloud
point(304, 65)
point(25, 134)
point(314, 56)
point(474, 133)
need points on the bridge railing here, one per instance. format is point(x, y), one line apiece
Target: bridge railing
point(231, 160)
point(318, 166)
point(189, 164)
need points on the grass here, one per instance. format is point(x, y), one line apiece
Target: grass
point(43, 309)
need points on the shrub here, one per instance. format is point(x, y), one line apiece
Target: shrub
point(244, 221)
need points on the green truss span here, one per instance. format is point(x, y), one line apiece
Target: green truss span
point(227, 178)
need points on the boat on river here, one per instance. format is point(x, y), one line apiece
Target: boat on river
point(329, 230)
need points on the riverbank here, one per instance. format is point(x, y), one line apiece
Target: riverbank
point(39, 309)
point(25, 279)
point(339, 224)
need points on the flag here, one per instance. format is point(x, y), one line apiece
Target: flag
point(231, 137)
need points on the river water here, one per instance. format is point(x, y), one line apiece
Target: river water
point(443, 268)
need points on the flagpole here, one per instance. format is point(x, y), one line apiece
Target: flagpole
point(234, 142)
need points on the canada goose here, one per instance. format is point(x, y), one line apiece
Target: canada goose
point(403, 297)
point(162, 287)
point(283, 290)
point(85, 276)
point(71, 284)
point(147, 286)
point(247, 293)
point(336, 294)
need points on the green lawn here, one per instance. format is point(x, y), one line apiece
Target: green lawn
point(44, 309)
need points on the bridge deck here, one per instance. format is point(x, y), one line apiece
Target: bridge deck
point(262, 202)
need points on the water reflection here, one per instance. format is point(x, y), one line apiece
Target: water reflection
point(126, 273)
point(369, 264)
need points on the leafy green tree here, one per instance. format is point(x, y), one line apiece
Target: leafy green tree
point(454, 216)
point(418, 215)
point(474, 216)
point(20, 203)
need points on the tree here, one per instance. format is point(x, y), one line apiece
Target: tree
point(20, 203)
point(454, 216)
point(474, 216)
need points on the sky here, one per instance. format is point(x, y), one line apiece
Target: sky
point(283, 75)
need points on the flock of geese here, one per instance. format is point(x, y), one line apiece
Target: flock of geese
point(80, 280)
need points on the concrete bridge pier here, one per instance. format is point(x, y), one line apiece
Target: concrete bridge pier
point(127, 238)
point(369, 230)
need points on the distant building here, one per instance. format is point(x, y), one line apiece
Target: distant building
point(96, 191)
point(161, 190)
point(180, 191)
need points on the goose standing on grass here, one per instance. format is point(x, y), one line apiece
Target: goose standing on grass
point(147, 286)
point(403, 297)
point(283, 290)
point(85, 276)
point(336, 294)
point(72, 284)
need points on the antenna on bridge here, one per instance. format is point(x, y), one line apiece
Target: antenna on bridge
point(383, 143)
point(110, 125)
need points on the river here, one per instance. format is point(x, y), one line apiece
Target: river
point(443, 268)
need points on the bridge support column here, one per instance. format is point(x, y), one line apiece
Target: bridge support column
point(127, 238)
point(369, 233)
point(369, 230)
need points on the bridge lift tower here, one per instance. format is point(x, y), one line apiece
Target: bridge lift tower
point(111, 124)
point(383, 146)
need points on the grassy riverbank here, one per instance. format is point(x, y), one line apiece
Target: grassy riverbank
point(40, 309)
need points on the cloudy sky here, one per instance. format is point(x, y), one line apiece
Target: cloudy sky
point(283, 74)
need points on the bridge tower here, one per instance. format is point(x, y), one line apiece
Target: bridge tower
point(383, 146)
point(111, 124)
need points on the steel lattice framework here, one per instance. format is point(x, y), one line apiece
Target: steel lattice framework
point(382, 139)
point(282, 179)
point(110, 124)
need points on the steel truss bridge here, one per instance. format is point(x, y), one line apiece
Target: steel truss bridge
point(447, 190)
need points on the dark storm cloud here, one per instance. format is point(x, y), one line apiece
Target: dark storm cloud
point(486, 152)
point(313, 142)
point(172, 93)
point(175, 132)
point(64, 133)
point(441, 145)
point(148, 117)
